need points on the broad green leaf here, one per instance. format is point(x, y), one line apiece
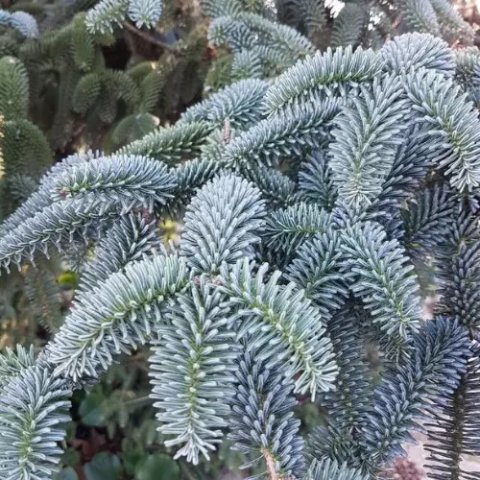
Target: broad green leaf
point(158, 467)
point(104, 466)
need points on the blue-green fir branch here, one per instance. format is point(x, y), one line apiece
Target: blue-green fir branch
point(427, 219)
point(248, 30)
point(131, 238)
point(418, 50)
point(223, 224)
point(289, 324)
point(262, 423)
point(355, 379)
point(452, 25)
point(107, 15)
point(419, 16)
point(383, 278)
point(315, 180)
point(403, 396)
point(42, 197)
point(458, 269)
point(145, 12)
point(332, 470)
point(13, 362)
point(288, 228)
point(239, 104)
point(453, 430)
point(116, 317)
point(277, 189)
point(410, 166)
point(453, 126)
point(190, 176)
point(323, 75)
point(21, 21)
point(218, 8)
point(289, 134)
point(34, 413)
point(367, 134)
point(131, 181)
point(55, 226)
point(316, 269)
point(192, 372)
point(172, 144)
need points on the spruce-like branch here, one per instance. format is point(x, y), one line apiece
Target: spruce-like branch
point(171, 144)
point(262, 424)
point(55, 226)
point(458, 269)
point(116, 317)
point(316, 269)
point(287, 135)
point(33, 413)
point(322, 75)
point(192, 372)
point(367, 135)
point(453, 432)
point(13, 362)
point(454, 128)
point(439, 360)
point(419, 16)
point(383, 278)
point(240, 104)
point(131, 238)
point(287, 328)
point(222, 224)
point(129, 181)
point(288, 228)
point(332, 470)
point(427, 220)
point(413, 51)
point(315, 182)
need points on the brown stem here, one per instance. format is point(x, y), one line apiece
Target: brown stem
point(270, 461)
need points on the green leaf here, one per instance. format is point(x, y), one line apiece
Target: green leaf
point(66, 474)
point(104, 466)
point(158, 467)
point(132, 458)
point(94, 410)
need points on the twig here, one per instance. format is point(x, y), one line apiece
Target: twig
point(272, 471)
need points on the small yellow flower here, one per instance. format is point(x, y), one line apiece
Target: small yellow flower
point(168, 228)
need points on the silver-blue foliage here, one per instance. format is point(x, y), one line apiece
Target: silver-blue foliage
point(308, 191)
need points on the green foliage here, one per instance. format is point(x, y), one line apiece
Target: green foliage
point(103, 466)
point(349, 25)
point(24, 23)
point(191, 387)
point(14, 89)
point(332, 470)
point(263, 424)
point(267, 243)
point(34, 408)
point(158, 467)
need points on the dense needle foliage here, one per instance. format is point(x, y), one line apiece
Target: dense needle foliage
point(327, 183)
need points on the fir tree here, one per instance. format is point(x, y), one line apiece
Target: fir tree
point(313, 188)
